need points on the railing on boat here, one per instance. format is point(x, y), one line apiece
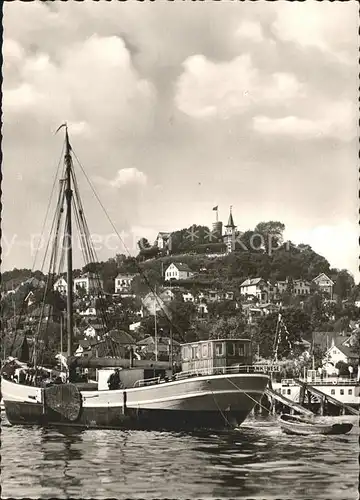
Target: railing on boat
point(147, 381)
point(219, 370)
point(322, 381)
point(200, 372)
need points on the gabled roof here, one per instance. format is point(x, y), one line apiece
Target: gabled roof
point(323, 275)
point(126, 275)
point(348, 351)
point(60, 279)
point(121, 337)
point(252, 281)
point(181, 266)
point(163, 235)
point(95, 327)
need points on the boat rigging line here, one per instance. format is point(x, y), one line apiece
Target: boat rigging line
point(171, 322)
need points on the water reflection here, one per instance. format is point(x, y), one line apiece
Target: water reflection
point(256, 461)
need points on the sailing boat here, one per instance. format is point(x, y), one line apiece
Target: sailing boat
point(216, 388)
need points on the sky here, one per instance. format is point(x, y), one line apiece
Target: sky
point(175, 107)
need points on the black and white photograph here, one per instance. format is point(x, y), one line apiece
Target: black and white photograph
point(180, 282)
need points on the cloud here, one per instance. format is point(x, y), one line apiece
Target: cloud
point(250, 30)
point(215, 112)
point(329, 28)
point(91, 82)
point(224, 89)
point(339, 122)
point(127, 176)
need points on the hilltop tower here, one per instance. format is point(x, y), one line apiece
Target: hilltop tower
point(217, 226)
point(230, 234)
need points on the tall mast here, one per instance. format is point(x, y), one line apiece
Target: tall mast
point(68, 195)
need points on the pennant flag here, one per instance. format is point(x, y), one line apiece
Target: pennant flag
point(215, 208)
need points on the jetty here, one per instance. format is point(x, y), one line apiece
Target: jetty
point(275, 396)
point(323, 398)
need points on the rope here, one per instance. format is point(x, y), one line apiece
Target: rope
point(248, 395)
point(127, 250)
point(220, 410)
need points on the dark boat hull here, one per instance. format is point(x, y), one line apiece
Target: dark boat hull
point(21, 413)
point(213, 402)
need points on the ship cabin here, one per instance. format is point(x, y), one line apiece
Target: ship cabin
point(214, 356)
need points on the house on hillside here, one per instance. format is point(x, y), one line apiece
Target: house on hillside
point(162, 240)
point(325, 284)
point(202, 309)
point(30, 299)
point(147, 346)
point(123, 283)
point(116, 343)
point(339, 351)
point(188, 297)
point(253, 313)
point(94, 331)
point(258, 288)
point(178, 271)
point(155, 302)
point(88, 312)
point(298, 287)
point(60, 286)
point(90, 283)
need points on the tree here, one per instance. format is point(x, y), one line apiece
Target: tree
point(343, 284)
point(225, 308)
point(143, 243)
point(231, 327)
point(343, 368)
point(272, 233)
point(297, 323)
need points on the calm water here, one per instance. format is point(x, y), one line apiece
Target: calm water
point(259, 461)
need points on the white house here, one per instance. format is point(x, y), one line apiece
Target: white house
point(162, 240)
point(89, 282)
point(325, 284)
point(178, 271)
point(256, 287)
point(152, 302)
point(93, 331)
point(90, 311)
point(299, 287)
point(123, 283)
point(60, 286)
point(339, 351)
point(188, 297)
point(202, 309)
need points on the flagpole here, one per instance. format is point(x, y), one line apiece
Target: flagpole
point(156, 340)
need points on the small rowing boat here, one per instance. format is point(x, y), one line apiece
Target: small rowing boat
point(292, 424)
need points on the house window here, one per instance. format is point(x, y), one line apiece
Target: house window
point(219, 349)
point(350, 392)
point(341, 392)
point(231, 349)
point(241, 350)
point(205, 351)
point(332, 392)
point(284, 391)
point(193, 352)
point(289, 391)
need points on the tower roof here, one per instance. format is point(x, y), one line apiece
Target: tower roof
point(231, 220)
